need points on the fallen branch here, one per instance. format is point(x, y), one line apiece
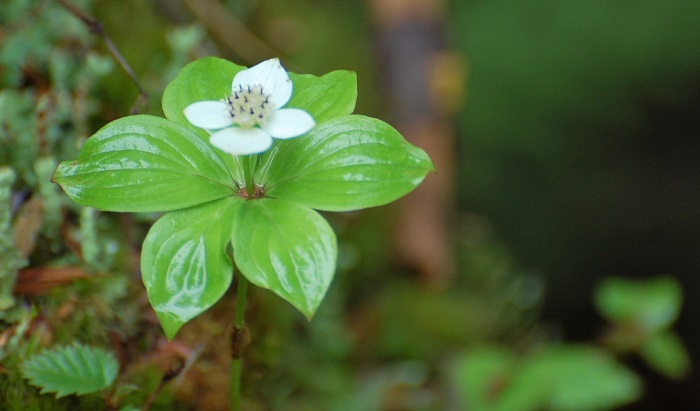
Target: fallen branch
point(96, 27)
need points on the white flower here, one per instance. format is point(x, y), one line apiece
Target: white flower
point(251, 116)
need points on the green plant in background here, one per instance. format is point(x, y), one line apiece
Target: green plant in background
point(642, 314)
point(262, 204)
point(582, 377)
point(9, 259)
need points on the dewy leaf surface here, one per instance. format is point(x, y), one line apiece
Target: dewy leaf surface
point(346, 163)
point(75, 369)
point(144, 163)
point(184, 264)
point(286, 248)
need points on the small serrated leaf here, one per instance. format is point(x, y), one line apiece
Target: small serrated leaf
point(76, 369)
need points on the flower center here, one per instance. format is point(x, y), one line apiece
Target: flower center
point(249, 105)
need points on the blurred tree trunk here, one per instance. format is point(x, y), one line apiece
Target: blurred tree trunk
point(424, 82)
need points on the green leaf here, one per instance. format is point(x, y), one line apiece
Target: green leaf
point(556, 378)
point(343, 164)
point(204, 79)
point(144, 163)
point(665, 353)
point(572, 378)
point(652, 304)
point(326, 97)
point(184, 263)
point(286, 248)
point(482, 374)
point(77, 369)
point(208, 78)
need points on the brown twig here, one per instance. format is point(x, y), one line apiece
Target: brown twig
point(173, 372)
point(96, 27)
point(230, 30)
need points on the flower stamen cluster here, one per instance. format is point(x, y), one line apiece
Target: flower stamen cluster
point(249, 106)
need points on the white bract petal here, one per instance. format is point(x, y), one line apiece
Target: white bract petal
point(271, 76)
point(288, 123)
point(241, 140)
point(208, 114)
point(251, 115)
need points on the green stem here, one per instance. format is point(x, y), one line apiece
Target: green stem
point(238, 343)
point(249, 163)
point(239, 335)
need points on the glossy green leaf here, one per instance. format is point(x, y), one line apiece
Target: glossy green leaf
point(204, 79)
point(651, 304)
point(144, 163)
point(184, 263)
point(666, 353)
point(286, 248)
point(329, 96)
point(75, 369)
point(346, 163)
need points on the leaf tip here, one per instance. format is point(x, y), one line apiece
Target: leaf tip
point(169, 325)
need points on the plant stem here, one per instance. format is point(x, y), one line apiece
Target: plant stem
point(249, 163)
point(239, 335)
point(239, 340)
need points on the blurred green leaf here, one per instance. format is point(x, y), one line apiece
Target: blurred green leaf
point(652, 304)
point(665, 353)
point(481, 376)
point(144, 163)
point(346, 163)
point(556, 378)
point(77, 369)
point(184, 263)
point(286, 248)
point(575, 378)
point(329, 96)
